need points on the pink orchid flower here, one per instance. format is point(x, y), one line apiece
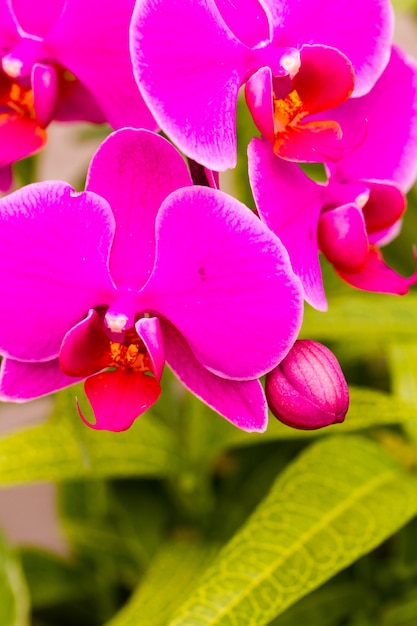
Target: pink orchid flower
point(142, 268)
point(360, 207)
point(296, 57)
point(63, 60)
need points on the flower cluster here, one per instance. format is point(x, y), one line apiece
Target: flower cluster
point(153, 263)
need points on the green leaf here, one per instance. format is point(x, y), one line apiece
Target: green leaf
point(325, 607)
point(355, 317)
point(52, 580)
point(402, 359)
point(342, 497)
point(403, 5)
point(114, 530)
point(64, 448)
point(14, 602)
point(403, 613)
point(173, 575)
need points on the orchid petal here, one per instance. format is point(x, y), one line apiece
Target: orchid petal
point(258, 94)
point(385, 206)
point(325, 79)
point(134, 170)
point(310, 142)
point(149, 330)
point(20, 382)
point(91, 39)
point(382, 127)
point(9, 32)
point(385, 236)
point(338, 193)
point(84, 349)
point(290, 204)
point(342, 237)
point(247, 21)
point(241, 402)
point(20, 137)
point(37, 18)
point(76, 103)
point(45, 85)
point(190, 75)
point(119, 397)
point(225, 282)
point(54, 245)
point(377, 276)
point(362, 31)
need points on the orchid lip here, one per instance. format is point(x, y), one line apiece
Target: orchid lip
point(89, 348)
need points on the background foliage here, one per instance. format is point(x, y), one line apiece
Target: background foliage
point(186, 521)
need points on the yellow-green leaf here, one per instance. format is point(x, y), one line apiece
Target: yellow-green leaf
point(342, 497)
point(169, 581)
point(365, 316)
point(64, 448)
point(14, 601)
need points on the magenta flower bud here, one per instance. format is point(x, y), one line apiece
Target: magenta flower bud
point(308, 390)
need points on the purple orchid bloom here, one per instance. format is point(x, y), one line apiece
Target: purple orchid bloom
point(359, 209)
point(63, 60)
point(142, 268)
point(296, 57)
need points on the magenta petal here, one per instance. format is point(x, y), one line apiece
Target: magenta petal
point(258, 94)
point(343, 239)
point(190, 75)
point(149, 330)
point(246, 19)
point(377, 276)
point(54, 245)
point(118, 397)
point(385, 206)
point(84, 350)
point(45, 87)
point(290, 204)
point(361, 30)
point(21, 381)
point(37, 17)
point(134, 170)
point(91, 39)
point(311, 142)
point(225, 281)
point(77, 103)
point(382, 127)
point(20, 137)
point(385, 236)
point(325, 79)
point(241, 402)
point(9, 34)
point(346, 192)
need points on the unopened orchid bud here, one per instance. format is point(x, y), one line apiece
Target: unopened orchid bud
point(308, 390)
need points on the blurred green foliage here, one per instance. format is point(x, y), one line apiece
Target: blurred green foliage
point(186, 521)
